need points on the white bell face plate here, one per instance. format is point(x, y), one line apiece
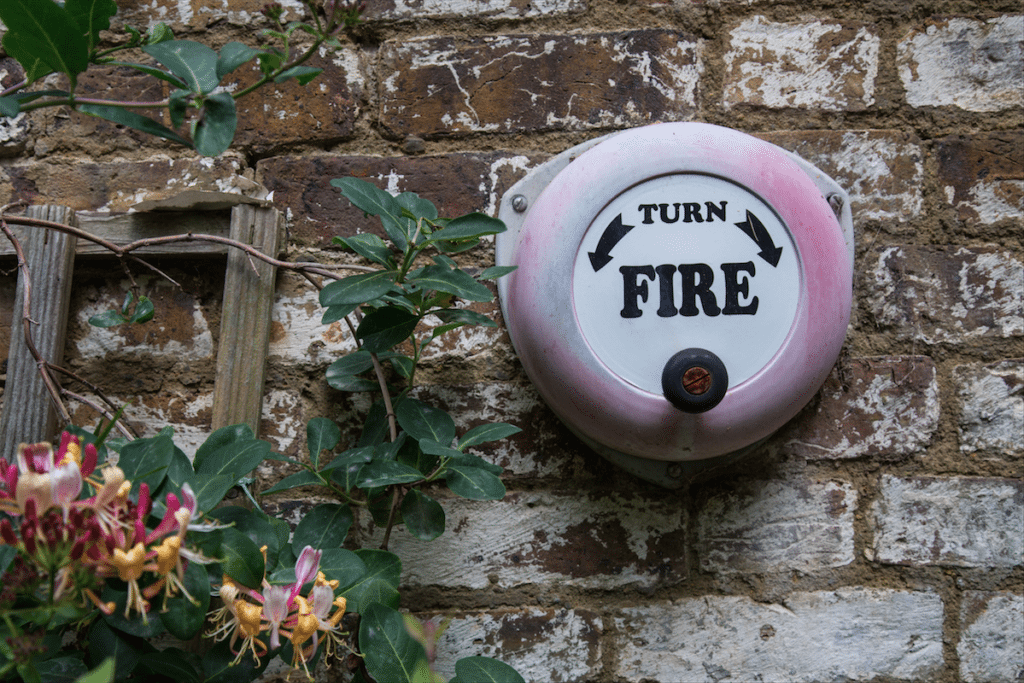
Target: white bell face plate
point(680, 261)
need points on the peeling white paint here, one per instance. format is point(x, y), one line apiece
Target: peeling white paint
point(780, 65)
point(967, 63)
point(992, 399)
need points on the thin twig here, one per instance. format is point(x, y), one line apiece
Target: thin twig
point(128, 434)
point(26, 319)
point(379, 370)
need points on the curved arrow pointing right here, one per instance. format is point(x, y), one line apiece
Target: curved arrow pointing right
point(755, 230)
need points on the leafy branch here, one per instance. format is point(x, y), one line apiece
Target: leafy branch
point(47, 38)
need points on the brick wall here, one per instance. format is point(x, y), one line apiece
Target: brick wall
point(878, 535)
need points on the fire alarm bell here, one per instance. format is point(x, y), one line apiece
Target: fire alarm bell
point(682, 291)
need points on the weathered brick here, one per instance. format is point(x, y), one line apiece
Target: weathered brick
point(883, 171)
point(991, 646)
point(488, 9)
point(557, 645)
point(572, 538)
point(321, 112)
point(983, 175)
point(179, 330)
point(456, 183)
point(13, 130)
point(545, 447)
point(964, 62)
point(773, 526)
point(992, 399)
point(806, 65)
point(876, 407)
point(199, 13)
point(949, 521)
point(297, 335)
point(947, 294)
point(117, 186)
point(442, 86)
point(846, 634)
point(62, 131)
point(187, 412)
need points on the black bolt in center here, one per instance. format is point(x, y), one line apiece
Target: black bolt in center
point(694, 380)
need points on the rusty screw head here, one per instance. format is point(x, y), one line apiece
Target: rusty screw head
point(697, 380)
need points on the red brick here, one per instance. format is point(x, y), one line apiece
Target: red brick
point(456, 183)
point(983, 175)
point(442, 86)
point(322, 112)
point(875, 407)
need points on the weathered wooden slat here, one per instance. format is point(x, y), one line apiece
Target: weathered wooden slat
point(28, 414)
point(128, 227)
point(245, 319)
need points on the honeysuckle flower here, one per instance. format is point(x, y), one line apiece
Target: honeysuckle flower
point(306, 568)
point(129, 566)
point(277, 602)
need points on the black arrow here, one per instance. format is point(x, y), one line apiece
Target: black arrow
point(611, 236)
point(756, 231)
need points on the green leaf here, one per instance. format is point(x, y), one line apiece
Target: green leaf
point(9, 106)
point(92, 16)
point(470, 226)
point(326, 526)
point(220, 438)
point(321, 435)
point(255, 524)
point(474, 483)
point(346, 467)
point(104, 673)
point(219, 665)
point(358, 289)
point(241, 558)
point(425, 422)
point(417, 206)
point(376, 202)
point(159, 33)
point(484, 670)
point(234, 457)
point(464, 316)
point(132, 119)
point(147, 460)
point(232, 56)
point(157, 72)
point(210, 490)
point(424, 516)
point(375, 425)
point(384, 328)
point(26, 52)
point(457, 282)
point(369, 246)
point(303, 478)
point(177, 106)
point(47, 32)
point(342, 565)
point(495, 272)
point(391, 654)
point(215, 129)
point(379, 584)
point(193, 62)
point(170, 664)
point(303, 74)
point(62, 669)
point(134, 625)
point(109, 318)
point(495, 431)
point(336, 313)
point(385, 473)
point(183, 618)
point(341, 373)
point(144, 311)
point(105, 642)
